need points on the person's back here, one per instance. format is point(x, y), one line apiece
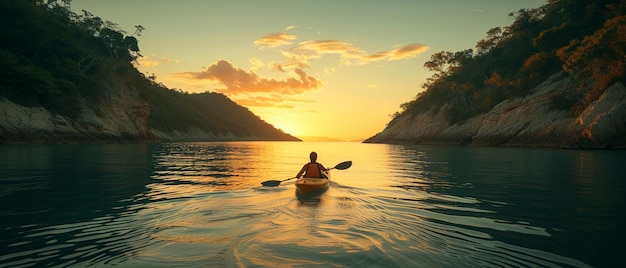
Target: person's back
point(312, 169)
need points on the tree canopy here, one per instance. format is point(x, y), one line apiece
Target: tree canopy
point(584, 38)
point(53, 57)
point(49, 55)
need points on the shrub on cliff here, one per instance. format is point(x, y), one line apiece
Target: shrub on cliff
point(49, 56)
point(584, 38)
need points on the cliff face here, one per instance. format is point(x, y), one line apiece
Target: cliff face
point(205, 117)
point(119, 114)
point(526, 122)
point(77, 75)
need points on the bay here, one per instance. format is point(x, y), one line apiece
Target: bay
point(202, 205)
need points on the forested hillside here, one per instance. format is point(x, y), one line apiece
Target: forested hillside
point(79, 68)
point(584, 38)
point(553, 78)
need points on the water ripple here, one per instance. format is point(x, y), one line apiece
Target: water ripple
point(423, 228)
point(201, 204)
point(108, 239)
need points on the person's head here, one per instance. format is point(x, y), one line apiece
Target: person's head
point(313, 156)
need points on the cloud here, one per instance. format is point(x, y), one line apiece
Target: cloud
point(405, 52)
point(275, 40)
point(256, 64)
point(300, 54)
point(250, 89)
point(145, 62)
point(236, 80)
point(154, 60)
point(321, 47)
point(276, 67)
point(273, 100)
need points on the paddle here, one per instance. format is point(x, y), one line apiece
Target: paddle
point(341, 166)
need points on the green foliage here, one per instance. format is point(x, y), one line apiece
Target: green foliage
point(600, 56)
point(211, 112)
point(586, 38)
point(50, 55)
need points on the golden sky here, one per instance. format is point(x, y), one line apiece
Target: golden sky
point(311, 68)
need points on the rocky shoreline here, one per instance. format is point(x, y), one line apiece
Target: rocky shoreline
point(119, 115)
point(529, 121)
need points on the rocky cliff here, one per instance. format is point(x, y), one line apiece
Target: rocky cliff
point(119, 114)
point(530, 121)
point(71, 78)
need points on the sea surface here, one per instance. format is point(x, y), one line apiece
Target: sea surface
point(202, 205)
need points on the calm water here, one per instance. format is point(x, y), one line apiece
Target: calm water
point(202, 205)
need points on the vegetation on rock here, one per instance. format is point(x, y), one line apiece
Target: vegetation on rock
point(54, 58)
point(584, 38)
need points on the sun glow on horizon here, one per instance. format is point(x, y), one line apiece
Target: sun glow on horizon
point(339, 75)
point(286, 123)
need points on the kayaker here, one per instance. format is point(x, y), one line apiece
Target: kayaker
point(312, 169)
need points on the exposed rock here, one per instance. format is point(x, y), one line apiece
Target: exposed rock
point(603, 124)
point(23, 124)
point(530, 121)
point(118, 115)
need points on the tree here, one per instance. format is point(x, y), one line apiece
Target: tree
point(494, 37)
point(600, 56)
point(445, 63)
point(525, 24)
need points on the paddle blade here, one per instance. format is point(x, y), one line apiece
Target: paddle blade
point(344, 165)
point(271, 183)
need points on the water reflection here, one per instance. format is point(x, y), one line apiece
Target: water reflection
point(509, 197)
point(312, 199)
point(201, 204)
point(71, 204)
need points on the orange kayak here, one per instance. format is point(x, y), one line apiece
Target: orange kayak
point(306, 185)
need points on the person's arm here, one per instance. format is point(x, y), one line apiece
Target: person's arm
point(302, 171)
point(322, 168)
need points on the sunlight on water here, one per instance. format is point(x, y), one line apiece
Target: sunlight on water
point(202, 204)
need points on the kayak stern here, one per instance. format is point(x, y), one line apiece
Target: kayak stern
point(305, 185)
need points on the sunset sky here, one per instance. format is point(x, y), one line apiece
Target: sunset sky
point(311, 68)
